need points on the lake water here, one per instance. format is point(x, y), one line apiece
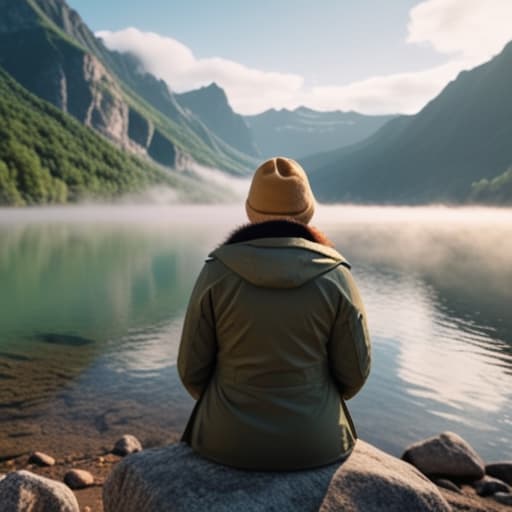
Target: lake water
point(92, 300)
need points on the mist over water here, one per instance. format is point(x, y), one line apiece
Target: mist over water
point(92, 299)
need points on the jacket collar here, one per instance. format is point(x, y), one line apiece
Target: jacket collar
point(281, 233)
point(277, 229)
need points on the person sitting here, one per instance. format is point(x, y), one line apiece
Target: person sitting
point(275, 337)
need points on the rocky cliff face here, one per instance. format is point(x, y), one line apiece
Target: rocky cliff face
point(211, 105)
point(73, 79)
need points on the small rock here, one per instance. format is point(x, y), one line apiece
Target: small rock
point(41, 459)
point(2, 476)
point(78, 479)
point(503, 497)
point(23, 490)
point(489, 485)
point(447, 484)
point(501, 470)
point(126, 445)
point(87, 509)
point(447, 455)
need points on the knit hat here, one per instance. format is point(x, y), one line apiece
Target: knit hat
point(280, 189)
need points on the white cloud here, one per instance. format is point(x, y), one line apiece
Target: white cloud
point(469, 32)
point(476, 29)
point(249, 90)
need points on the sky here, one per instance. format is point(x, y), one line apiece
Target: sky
point(372, 56)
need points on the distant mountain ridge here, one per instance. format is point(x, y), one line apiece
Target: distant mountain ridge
point(459, 138)
point(211, 105)
point(303, 131)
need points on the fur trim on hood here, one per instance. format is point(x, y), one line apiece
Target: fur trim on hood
point(277, 229)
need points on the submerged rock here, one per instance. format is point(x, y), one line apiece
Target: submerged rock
point(501, 470)
point(126, 445)
point(57, 338)
point(447, 455)
point(176, 479)
point(41, 459)
point(23, 490)
point(78, 479)
point(489, 485)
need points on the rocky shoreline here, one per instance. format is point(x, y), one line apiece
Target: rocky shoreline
point(76, 482)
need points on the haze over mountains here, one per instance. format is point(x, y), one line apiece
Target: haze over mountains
point(302, 132)
point(136, 132)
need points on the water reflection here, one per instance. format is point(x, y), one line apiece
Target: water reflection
point(92, 303)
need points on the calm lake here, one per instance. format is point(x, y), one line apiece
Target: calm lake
point(92, 300)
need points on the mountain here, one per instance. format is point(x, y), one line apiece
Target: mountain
point(211, 105)
point(301, 132)
point(46, 156)
point(47, 47)
point(461, 137)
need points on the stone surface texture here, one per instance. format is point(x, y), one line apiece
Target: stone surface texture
point(175, 479)
point(23, 491)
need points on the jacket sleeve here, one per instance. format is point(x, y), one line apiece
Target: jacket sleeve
point(349, 346)
point(198, 346)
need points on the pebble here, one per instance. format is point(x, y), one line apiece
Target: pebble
point(126, 445)
point(503, 497)
point(447, 484)
point(489, 485)
point(501, 470)
point(78, 479)
point(41, 459)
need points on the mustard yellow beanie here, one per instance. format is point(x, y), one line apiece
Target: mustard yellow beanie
point(280, 189)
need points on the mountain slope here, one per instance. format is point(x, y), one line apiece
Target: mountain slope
point(300, 132)
point(49, 50)
point(211, 105)
point(46, 156)
point(460, 137)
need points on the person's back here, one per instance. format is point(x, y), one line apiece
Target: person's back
point(274, 339)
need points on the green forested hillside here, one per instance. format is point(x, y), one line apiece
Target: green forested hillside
point(48, 157)
point(48, 49)
point(496, 190)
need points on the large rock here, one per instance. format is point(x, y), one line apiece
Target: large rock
point(23, 491)
point(446, 455)
point(175, 479)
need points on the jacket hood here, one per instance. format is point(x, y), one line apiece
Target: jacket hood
point(277, 261)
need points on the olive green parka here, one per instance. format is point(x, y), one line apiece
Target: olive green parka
point(274, 341)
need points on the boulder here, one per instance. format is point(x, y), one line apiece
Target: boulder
point(23, 490)
point(489, 485)
point(126, 445)
point(501, 470)
point(176, 479)
point(446, 455)
point(41, 459)
point(78, 479)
